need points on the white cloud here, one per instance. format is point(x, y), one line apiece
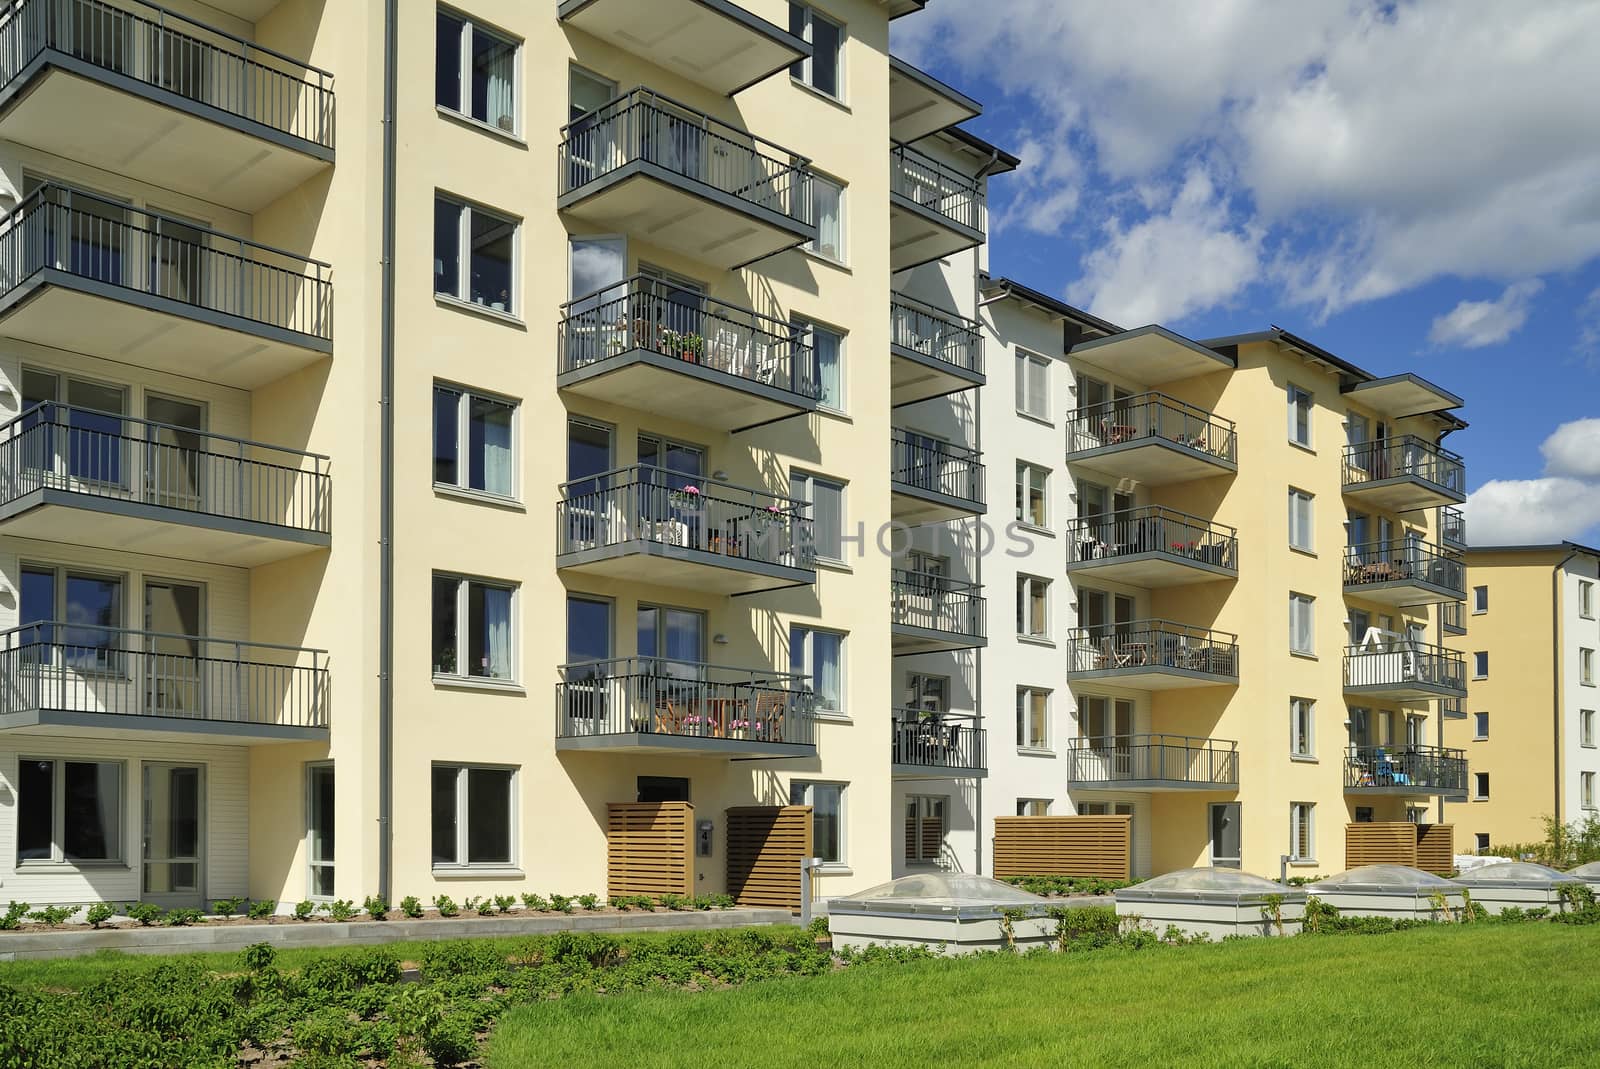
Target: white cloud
point(1475, 324)
point(1589, 327)
point(1574, 450)
point(1510, 512)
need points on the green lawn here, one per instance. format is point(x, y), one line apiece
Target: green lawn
point(1518, 995)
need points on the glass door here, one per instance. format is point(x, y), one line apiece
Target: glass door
point(674, 309)
point(319, 829)
point(173, 839)
point(589, 671)
point(1225, 835)
point(174, 678)
point(591, 137)
point(601, 321)
point(174, 452)
point(670, 490)
point(671, 646)
point(177, 259)
point(590, 502)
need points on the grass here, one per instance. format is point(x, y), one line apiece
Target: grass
point(1520, 995)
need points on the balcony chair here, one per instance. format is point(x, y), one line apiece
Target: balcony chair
point(766, 715)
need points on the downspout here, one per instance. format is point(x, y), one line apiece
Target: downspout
point(1555, 675)
point(391, 18)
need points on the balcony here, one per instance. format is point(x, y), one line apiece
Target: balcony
point(934, 612)
point(1408, 572)
point(1153, 655)
point(931, 481)
point(89, 275)
point(714, 43)
point(649, 346)
point(932, 353)
point(1150, 355)
point(920, 104)
point(1453, 617)
point(145, 92)
point(68, 678)
point(1403, 474)
point(1412, 772)
point(1397, 668)
point(1153, 547)
point(934, 211)
point(91, 478)
point(938, 745)
point(647, 166)
point(649, 525)
point(646, 705)
point(1152, 763)
point(1152, 439)
point(1453, 528)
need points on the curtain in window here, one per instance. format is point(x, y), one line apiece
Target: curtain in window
point(825, 198)
point(494, 78)
point(827, 670)
point(497, 633)
point(825, 343)
point(491, 422)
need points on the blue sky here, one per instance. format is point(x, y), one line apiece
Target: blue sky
point(1414, 186)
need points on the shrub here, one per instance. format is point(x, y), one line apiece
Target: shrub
point(258, 957)
point(100, 912)
point(328, 1032)
point(483, 907)
point(460, 957)
point(263, 909)
point(533, 901)
point(340, 910)
point(561, 903)
point(410, 906)
point(677, 902)
point(351, 972)
point(13, 915)
point(227, 907)
point(304, 909)
point(146, 913)
point(377, 907)
point(451, 1041)
point(182, 918)
point(589, 902)
point(53, 916)
point(504, 903)
point(445, 905)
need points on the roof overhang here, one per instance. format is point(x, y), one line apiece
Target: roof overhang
point(1399, 396)
point(1151, 354)
point(920, 104)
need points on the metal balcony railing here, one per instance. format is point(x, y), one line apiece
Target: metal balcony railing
point(1404, 457)
point(85, 668)
point(1452, 527)
point(1154, 529)
point(641, 503)
point(1402, 662)
point(101, 454)
point(1421, 767)
point(1142, 645)
point(1176, 759)
point(643, 126)
point(77, 233)
point(940, 335)
point(176, 55)
point(658, 317)
point(939, 740)
point(937, 603)
point(1453, 616)
point(946, 192)
point(1407, 560)
point(924, 463)
point(1148, 416)
point(686, 699)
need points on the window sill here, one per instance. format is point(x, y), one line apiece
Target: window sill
point(1033, 528)
point(1480, 738)
point(1304, 448)
point(1304, 656)
point(823, 258)
point(1035, 751)
point(1581, 683)
point(481, 126)
point(832, 868)
point(833, 717)
point(444, 300)
point(1480, 799)
point(832, 566)
point(60, 867)
point(487, 872)
point(1043, 421)
point(489, 685)
point(479, 497)
point(1304, 758)
point(1587, 745)
point(1303, 863)
point(1304, 552)
point(827, 98)
point(1031, 640)
point(834, 413)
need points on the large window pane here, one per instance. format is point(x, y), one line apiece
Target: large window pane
point(827, 822)
point(447, 62)
point(95, 605)
point(320, 826)
point(826, 345)
point(35, 809)
point(491, 261)
point(447, 247)
point(444, 815)
point(489, 439)
point(488, 631)
point(93, 810)
point(827, 656)
point(445, 625)
point(827, 199)
point(493, 80)
point(446, 435)
point(825, 40)
point(489, 816)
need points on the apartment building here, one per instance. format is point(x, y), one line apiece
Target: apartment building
point(286, 613)
point(1529, 636)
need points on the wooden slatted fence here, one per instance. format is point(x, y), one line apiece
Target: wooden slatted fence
point(1098, 846)
point(765, 847)
point(1390, 842)
point(1436, 848)
point(649, 848)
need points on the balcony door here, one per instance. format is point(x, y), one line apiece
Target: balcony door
point(1225, 835)
point(1107, 727)
point(601, 321)
point(589, 672)
point(174, 619)
point(591, 136)
point(174, 453)
point(674, 309)
point(671, 490)
point(922, 461)
point(592, 510)
point(174, 835)
point(178, 264)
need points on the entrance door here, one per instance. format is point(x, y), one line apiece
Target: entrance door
point(173, 835)
point(174, 618)
point(1225, 835)
point(173, 453)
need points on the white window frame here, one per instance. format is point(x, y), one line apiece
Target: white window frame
point(802, 633)
point(1306, 604)
point(312, 864)
point(1303, 714)
point(1480, 664)
point(1302, 520)
point(1480, 726)
point(806, 74)
point(1026, 472)
point(807, 329)
point(1585, 599)
point(463, 587)
point(1586, 790)
point(913, 846)
point(463, 294)
point(58, 815)
point(1295, 395)
point(841, 254)
point(805, 788)
point(1026, 359)
point(1025, 589)
point(1025, 696)
point(1302, 815)
point(803, 487)
point(464, 73)
point(1480, 600)
point(1586, 728)
point(463, 817)
point(1586, 666)
point(1480, 786)
point(464, 398)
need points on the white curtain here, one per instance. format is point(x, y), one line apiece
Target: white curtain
point(496, 59)
point(827, 669)
point(493, 420)
point(826, 197)
point(497, 633)
point(825, 344)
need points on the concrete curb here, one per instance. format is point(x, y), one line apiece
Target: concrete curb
point(204, 939)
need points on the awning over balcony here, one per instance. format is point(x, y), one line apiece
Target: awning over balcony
point(1399, 396)
point(1151, 355)
point(920, 104)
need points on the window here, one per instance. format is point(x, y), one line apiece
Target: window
point(1300, 520)
point(1480, 786)
point(822, 69)
point(1033, 385)
point(1031, 482)
point(474, 255)
point(1480, 664)
point(474, 441)
point(1033, 807)
point(818, 656)
point(68, 811)
point(475, 72)
point(1299, 416)
point(72, 618)
point(1586, 667)
point(827, 349)
point(1480, 599)
point(1481, 840)
point(1033, 718)
point(1480, 725)
point(473, 628)
point(1586, 727)
point(1302, 632)
point(1033, 615)
point(1302, 831)
point(928, 693)
point(1302, 725)
point(474, 816)
point(925, 828)
point(1585, 599)
point(319, 829)
point(827, 818)
point(826, 499)
point(1586, 789)
point(827, 211)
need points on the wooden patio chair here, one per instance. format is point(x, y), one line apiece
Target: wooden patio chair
point(766, 715)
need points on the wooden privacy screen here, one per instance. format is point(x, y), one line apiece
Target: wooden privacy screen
point(765, 847)
point(1399, 842)
point(1063, 846)
point(649, 848)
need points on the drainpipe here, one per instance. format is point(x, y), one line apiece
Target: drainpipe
point(391, 18)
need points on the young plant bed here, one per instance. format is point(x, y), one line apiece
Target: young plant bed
point(1066, 886)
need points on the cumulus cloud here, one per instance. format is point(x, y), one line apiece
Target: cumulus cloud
point(1510, 512)
point(1475, 324)
point(1574, 450)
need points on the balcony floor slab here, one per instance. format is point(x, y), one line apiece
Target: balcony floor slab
point(144, 726)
